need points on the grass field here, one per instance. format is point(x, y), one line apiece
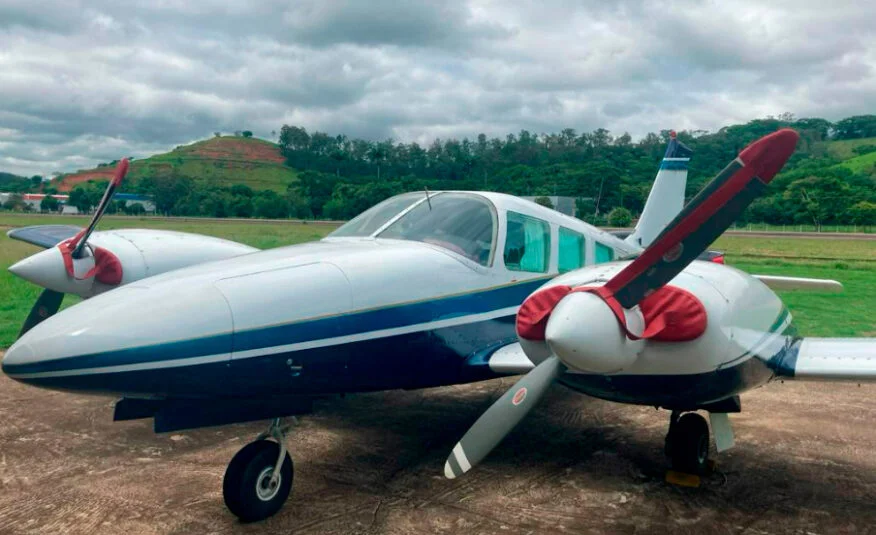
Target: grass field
point(852, 262)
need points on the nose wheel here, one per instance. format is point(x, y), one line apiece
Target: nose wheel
point(687, 443)
point(258, 479)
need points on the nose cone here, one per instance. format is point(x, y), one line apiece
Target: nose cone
point(130, 340)
point(584, 333)
point(17, 355)
point(46, 269)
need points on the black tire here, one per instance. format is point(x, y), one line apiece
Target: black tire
point(253, 466)
point(688, 444)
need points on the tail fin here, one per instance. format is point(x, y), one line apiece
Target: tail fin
point(667, 194)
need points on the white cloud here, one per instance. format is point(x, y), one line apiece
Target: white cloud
point(93, 81)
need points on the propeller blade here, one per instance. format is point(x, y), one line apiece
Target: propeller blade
point(46, 305)
point(705, 218)
point(502, 417)
point(121, 171)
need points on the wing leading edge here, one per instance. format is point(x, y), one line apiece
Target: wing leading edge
point(45, 236)
point(831, 359)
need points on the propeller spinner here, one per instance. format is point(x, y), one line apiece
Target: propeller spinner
point(612, 336)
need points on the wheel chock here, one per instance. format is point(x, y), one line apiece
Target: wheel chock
point(682, 479)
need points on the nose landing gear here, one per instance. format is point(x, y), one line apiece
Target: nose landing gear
point(258, 479)
point(687, 443)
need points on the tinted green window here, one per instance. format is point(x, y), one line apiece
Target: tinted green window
point(527, 244)
point(571, 250)
point(604, 253)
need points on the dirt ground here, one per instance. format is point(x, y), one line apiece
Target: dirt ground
point(805, 462)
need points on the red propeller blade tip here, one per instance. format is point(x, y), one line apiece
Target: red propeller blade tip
point(121, 171)
point(767, 155)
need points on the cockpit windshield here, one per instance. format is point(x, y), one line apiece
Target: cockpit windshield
point(460, 222)
point(369, 221)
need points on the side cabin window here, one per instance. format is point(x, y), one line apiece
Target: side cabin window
point(459, 222)
point(572, 252)
point(527, 244)
point(603, 253)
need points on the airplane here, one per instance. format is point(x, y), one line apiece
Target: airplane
point(426, 285)
point(669, 331)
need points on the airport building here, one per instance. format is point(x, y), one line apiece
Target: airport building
point(33, 200)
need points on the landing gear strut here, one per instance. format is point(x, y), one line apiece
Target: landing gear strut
point(687, 443)
point(259, 477)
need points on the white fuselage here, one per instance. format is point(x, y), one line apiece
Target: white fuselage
point(342, 314)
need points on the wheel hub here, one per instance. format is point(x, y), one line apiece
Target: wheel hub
point(266, 486)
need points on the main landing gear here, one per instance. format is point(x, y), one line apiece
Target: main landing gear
point(687, 443)
point(259, 477)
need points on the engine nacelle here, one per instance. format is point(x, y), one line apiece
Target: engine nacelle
point(140, 252)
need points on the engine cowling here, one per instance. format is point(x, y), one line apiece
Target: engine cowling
point(575, 318)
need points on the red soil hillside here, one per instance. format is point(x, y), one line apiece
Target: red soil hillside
point(235, 149)
point(224, 160)
point(68, 182)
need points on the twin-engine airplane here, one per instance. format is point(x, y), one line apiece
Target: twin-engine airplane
point(427, 285)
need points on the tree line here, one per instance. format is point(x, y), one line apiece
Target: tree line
point(339, 177)
point(343, 176)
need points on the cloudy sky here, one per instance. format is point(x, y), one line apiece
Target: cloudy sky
point(89, 81)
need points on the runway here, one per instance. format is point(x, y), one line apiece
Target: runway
point(805, 462)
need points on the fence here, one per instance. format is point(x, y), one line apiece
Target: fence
point(842, 229)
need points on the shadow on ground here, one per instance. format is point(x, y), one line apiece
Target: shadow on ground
point(373, 464)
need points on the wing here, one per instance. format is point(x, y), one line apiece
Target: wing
point(798, 283)
point(831, 359)
point(45, 236)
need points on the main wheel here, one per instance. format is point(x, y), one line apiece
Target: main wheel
point(688, 444)
point(247, 487)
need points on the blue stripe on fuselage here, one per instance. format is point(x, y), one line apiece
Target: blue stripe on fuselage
point(415, 360)
point(352, 323)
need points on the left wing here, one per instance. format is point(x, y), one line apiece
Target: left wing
point(829, 359)
point(45, 236)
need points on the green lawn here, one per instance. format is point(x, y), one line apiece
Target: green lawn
point(852, 262)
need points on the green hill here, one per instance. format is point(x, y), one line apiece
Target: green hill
point(222, 161)
point(844, 149)
point(856, 155)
